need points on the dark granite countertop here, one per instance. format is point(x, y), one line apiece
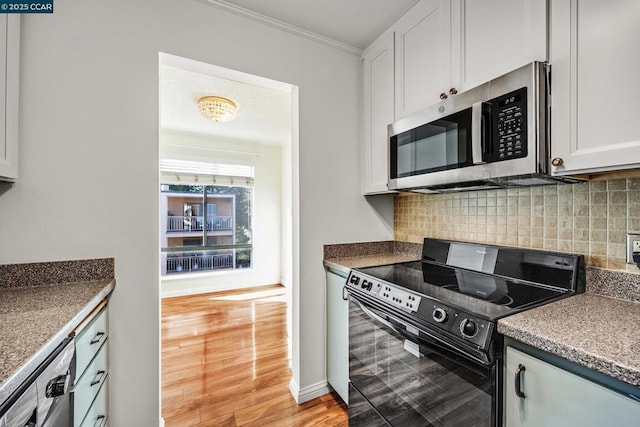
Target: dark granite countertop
point(597, 329)
point(344, 257)
point(594, 331)
point(35, 319)
point(345, 264)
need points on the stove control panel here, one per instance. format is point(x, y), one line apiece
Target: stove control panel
point(461, 324)
point(452, 320)
point(390, 294)
point(399, 298)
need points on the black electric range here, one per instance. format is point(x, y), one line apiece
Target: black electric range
point(448, 304)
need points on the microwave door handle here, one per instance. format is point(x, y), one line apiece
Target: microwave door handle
point(477, 143)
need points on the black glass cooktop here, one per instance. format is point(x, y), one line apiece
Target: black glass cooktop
point(487, 295)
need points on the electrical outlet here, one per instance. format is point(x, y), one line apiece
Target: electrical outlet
point(633, 245)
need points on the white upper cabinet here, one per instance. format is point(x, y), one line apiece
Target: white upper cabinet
point(9, 92)
point(444, 47)
point(595, 87)
point(422, 52)
point(378, 112)
point(492, 37)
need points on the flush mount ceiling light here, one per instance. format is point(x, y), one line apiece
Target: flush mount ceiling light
point(218, 108)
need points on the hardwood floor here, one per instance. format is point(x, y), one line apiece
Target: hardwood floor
point(224, 363)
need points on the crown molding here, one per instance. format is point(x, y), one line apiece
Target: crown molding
point(275, 23)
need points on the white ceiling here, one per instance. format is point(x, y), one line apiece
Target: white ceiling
point(356, 23)
point(264, 114)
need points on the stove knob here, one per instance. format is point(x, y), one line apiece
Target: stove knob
point(439, 315)
point(468, 328)
point(57, 386)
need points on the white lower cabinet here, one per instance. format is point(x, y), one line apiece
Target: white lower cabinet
point(337, 335)
point(555, 397)
point(91, 387)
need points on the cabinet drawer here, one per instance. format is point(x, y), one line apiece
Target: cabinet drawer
point(89, 384)
point(90, 339)
point(97, 414)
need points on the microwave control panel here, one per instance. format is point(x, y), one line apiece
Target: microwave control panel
point(507, 117)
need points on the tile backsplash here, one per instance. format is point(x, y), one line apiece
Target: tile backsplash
point(590, 218)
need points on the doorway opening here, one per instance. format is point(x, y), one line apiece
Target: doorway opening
point(226, 187)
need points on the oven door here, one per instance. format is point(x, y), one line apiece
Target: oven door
point(410, 381)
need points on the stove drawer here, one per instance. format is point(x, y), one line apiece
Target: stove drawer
point(90, 339)
point(89, 384)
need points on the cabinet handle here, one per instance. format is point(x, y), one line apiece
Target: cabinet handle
point(98, 378)
point(99, 336)
point(443, 95)
point(519, 370)
point(100, 421)
point(344, 294)
point(453, 91)
point(557, 161)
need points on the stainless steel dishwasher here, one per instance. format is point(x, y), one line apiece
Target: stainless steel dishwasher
point(43, 399)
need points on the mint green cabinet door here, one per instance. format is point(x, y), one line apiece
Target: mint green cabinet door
point(337, 336)
point(555, 397)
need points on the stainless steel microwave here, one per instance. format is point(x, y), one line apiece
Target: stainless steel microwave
point(492, 136)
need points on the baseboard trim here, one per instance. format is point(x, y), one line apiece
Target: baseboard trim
point(308, 393)
point(187, 291)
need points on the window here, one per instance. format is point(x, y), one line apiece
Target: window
point(205, 227)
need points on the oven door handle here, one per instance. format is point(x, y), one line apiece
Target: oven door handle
point(375, 317)
point(425, 346)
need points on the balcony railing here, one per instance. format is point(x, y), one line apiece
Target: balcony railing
point(184, 264)
point(194, 223)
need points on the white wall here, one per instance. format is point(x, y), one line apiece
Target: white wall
point(266, 259)
point(89, 163)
